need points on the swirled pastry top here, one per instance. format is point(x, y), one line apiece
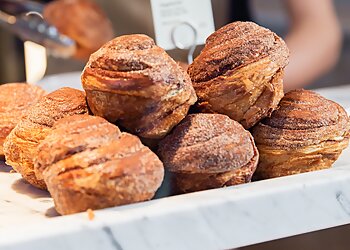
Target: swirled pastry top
point(87, 162)
point(207, 143)
point(56, 105)
point(303, 118)
point(18, 96)
point(134, 62)
point(20, 147)
point(94, 140)
point(85, 134)
point(236, 45)
point(15, 99)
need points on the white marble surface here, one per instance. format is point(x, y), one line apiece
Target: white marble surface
point(216, 219)
point(20, 203)
point(53, 82)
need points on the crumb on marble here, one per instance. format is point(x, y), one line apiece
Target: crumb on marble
point(91, 214)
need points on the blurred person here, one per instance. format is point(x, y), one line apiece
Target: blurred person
point(314, 40)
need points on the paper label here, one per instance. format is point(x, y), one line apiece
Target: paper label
point(181, 23)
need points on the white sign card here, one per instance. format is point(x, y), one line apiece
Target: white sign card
point(182, 23)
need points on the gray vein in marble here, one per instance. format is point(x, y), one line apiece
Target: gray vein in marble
point(111, 238)
point(343, 201)
point(206, 214)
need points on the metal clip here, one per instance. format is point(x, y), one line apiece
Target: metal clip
point(178, 44)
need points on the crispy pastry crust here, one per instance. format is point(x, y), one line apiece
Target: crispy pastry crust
point(15, 99)
point(307, 132)
point(20, 146)
point(208, 151)
point(135, 83)
point(239, 72)
point(87, 163)
point(81, 20)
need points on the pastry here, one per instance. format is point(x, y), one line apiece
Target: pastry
point(239, 72)
point(81, 20)
point(208, 151)
point(20, 147)
point(306, 133)
point(134, 83)
point(87, 163)
point(15, 99)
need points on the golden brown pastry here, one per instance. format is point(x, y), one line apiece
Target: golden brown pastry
point(20, 147)
point(15, 99)
point(208, 151)
point(87, 163)
point(81, 20)
point(135, 83)
point(306, 133)
point(239, 72)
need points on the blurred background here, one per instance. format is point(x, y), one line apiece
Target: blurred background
point(272, 14)
point(135, 17)
point(127, 17)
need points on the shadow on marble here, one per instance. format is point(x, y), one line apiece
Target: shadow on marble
point(4, 168)
point(165, 189)
point(23, 187)
point(51, 212)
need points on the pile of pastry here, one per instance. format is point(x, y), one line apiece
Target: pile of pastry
point(219, 124)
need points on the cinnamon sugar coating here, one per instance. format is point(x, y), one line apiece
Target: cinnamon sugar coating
point(208, 151)
point(239, 72)
point(20, 147)
point(15, 99)
point(306, 133)
point(87, 163)
point(135, 83)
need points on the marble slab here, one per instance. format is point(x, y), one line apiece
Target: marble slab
point(53, 82)
point(215, 219)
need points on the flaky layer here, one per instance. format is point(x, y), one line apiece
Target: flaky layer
point(192, 182)
point(85, 133)
point(236, 45)
point(281, 162)
point(96, 165)
point(207, 143)
point(20, 147)
point(133, 82)
point(15, 99)
point(246, 95)
point(307, 132)
point(304, 118)
point(239, 72)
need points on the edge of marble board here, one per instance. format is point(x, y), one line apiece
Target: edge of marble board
point(221, 218)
